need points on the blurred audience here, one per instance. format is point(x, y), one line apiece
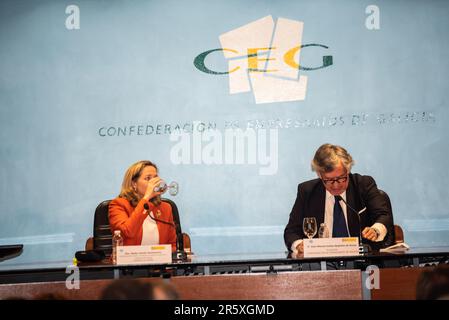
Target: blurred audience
point(128, 289)
point(49, 296)
point(164, 291)
point(138, 289)
point(433, 284)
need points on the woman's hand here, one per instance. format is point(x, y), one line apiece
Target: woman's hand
point(153, 183)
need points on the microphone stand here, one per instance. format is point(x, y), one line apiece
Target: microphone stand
point(363, 247)
point(179, 255)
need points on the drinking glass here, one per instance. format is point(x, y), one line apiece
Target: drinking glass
point(309, 227)
point(173, 188)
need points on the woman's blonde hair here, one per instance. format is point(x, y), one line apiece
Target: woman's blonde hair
point(328, 157)
point(132, 175)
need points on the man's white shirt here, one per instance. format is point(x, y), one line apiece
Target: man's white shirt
point(329, 219)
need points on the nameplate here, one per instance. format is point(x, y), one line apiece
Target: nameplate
point(154, 254)
point(331, 247)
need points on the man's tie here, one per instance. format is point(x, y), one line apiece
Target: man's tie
point(339, 229)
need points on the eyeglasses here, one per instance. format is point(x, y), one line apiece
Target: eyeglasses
point(329, 182)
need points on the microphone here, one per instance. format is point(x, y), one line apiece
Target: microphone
point(180, 254)
point(339, 198)
point(147, 208)
point(357, 213)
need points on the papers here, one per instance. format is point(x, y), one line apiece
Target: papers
point(398, 247)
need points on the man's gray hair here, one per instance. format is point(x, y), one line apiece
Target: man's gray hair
point(329, 156)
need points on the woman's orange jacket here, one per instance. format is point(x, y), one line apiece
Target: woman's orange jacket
point(129, 220)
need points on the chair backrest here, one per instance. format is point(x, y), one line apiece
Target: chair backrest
point(398, 234)
point(175, 212)
point(102, 229)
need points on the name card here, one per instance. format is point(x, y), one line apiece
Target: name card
point(331, 247)
point(155, 254)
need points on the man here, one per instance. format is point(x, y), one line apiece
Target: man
point(317, 198)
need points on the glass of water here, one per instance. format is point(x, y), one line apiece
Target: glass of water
point(173, 188)
point(309, 227)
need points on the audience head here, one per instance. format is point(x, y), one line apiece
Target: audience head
point(50, 296)
point(164, 291)
point(139, 289)
point(128, 289)
point(433, 284)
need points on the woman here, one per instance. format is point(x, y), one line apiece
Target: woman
point(127, 212)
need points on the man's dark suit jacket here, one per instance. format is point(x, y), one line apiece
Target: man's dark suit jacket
point(361, 192)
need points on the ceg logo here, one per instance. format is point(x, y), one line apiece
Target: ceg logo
point(264, 57)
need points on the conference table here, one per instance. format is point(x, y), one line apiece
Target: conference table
point(238, 276)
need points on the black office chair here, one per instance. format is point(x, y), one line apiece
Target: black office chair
point(102, 235)
point(397, 232)
point(10, 251)
point(102, 239)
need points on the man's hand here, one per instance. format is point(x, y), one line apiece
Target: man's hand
point(369, 233)
point(300, 248)
point(299, 253)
